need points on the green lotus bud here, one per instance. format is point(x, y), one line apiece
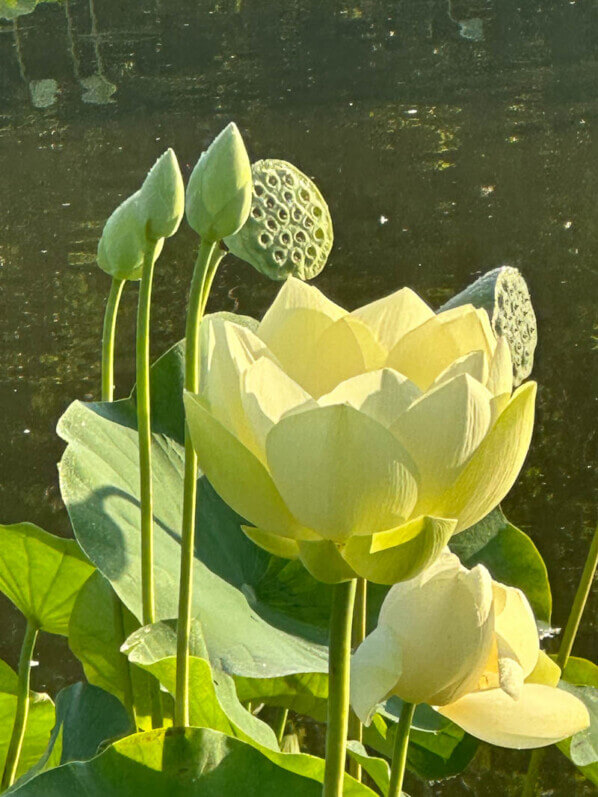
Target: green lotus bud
point(123, 242)
point(289, 230)
point(162, 198)
point(219, 190)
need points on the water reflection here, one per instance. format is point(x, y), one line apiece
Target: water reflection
point(445, 146)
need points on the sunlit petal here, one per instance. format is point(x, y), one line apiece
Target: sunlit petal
point(399, 554)
point(490, 473)
point(475, 364)
point(236, 474)
point(541, 716)
point(340, 472)
point(500, 377)
point(382, 394)
point(346, 348)
point(293, 323)
point(441, 431)
point(324, 561)
point(375, 669)
point(393, 316)
point(427, 350)
point(273, 543)
point(267, 393)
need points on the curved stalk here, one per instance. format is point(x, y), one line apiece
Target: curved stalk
point(358, 634)
point(20, 722)
point(566, 646)
point(399, 755)
point(338, 687)
point(116, 289)
point(208, 258)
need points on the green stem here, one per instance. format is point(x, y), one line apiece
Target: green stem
point(281, 724)
point(208, 258)
point(144, 425)
point(116, 289)
point(338, 687)
point(20, 722)
point(357, 636)
point(108, 335)
point(129, 700)
point(566, 646)
point(399, 755)
point(145, 436)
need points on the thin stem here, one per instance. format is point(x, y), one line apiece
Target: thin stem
point(145, 436)
point(281, 724)
point(566, 646)
point(579, 603)
point(116, 289)
point(341, 619)
point(144, 426)
point(357, 636)
point(208, 258)
point(129, 700)
point(20, 722)
point(399, 755)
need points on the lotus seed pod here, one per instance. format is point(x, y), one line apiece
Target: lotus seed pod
point(219, 190)
point(162, 197)
point(504, 294)
point(289, 229)
point(123, 242)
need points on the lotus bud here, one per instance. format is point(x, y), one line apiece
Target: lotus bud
point(504, 294)
point(162, 198)
point(289, 229)
point(123, 242)
point(219, 190)
point(290, 743)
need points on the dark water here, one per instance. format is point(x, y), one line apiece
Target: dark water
point(448, 138)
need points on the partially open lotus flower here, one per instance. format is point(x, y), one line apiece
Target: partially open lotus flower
point(359, 442)
point(468, 645)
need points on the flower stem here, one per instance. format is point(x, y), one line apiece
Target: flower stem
point(358, 634)
point(208, 258)
point(399, 755)
point(145, 436)
point(281, 724)
point(116, 289)
point(566, 646)
point(341, 619)
point(144, 426)
point(20, 722)
point(108, 335)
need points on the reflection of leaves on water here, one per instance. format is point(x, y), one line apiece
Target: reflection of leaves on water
point(98, 90)
point(472, 29)
point(43, 92)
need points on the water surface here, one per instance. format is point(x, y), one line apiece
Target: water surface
point(448, 138)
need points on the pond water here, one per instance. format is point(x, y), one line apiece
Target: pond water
point(448, 138)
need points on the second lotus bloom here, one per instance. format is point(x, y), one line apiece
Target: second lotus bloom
point(468, 645)
point(359, 442)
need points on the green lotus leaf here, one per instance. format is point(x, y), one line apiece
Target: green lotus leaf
point(377, 768)
point(39, 722)
point(186, 761)
point(212, 695)
point(86, 717)
point(580, 677)
point(245, 634)
point(98, 627)
point(510, 556)
point(431, 756)
point(41, 574)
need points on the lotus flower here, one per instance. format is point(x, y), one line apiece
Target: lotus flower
point(467, 645)
point(359, 442)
